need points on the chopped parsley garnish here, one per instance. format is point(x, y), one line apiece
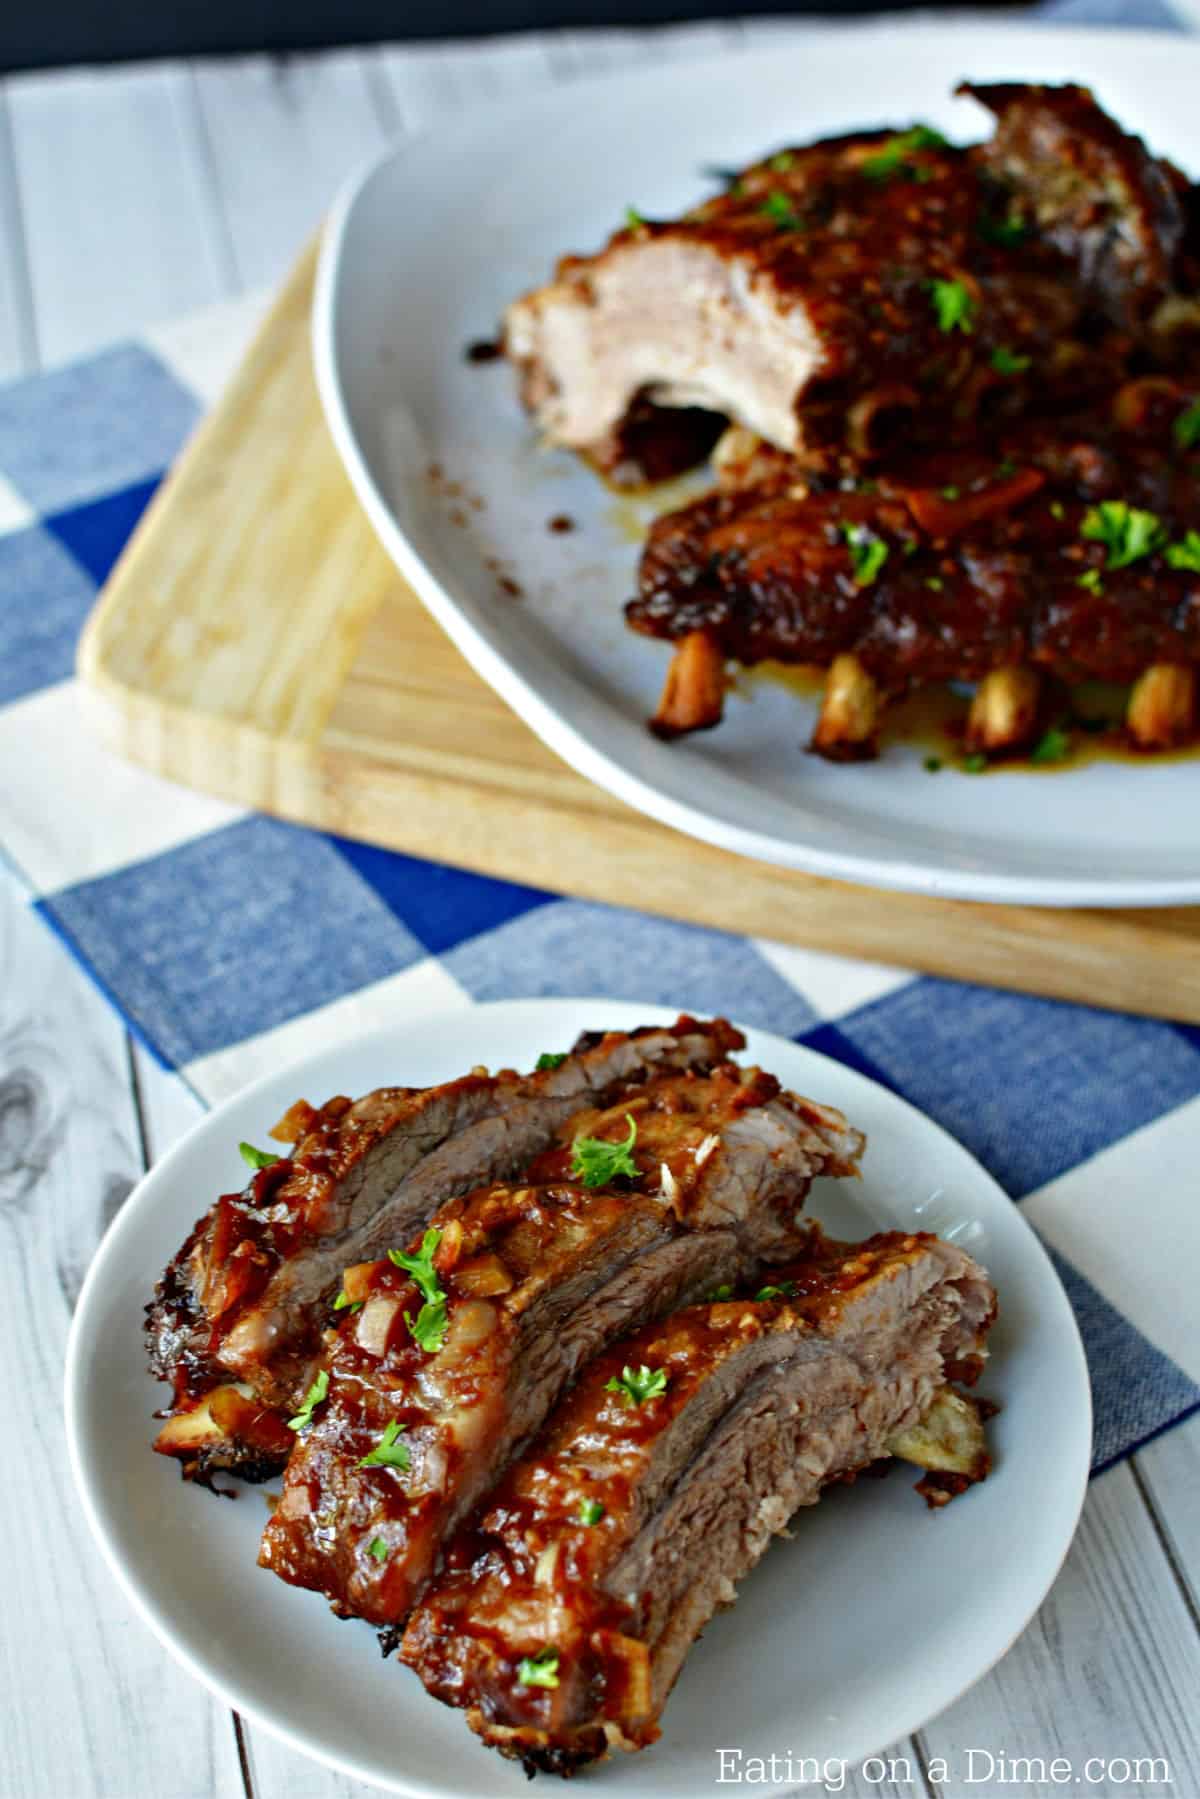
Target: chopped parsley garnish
point(1126, 532)
point(344, 1303)
point(428, 1328)
point(633, 219)
point(781, 162)
point(1008, 362)
point(975, 764)
point(597, 1163)
point(548, 1059)
point(1185, 554)
point(867, 553)
point(932, 764)
point(636, 1385)
point(892, 156)
point(934, 583)
point(318, 1392)
point(720, 1293)
point(1006, 232)
point(420, 1266)
point(378, 1548)
point(590, 1511)
point(1053, 746)
point(257, 1158)
point(954, 306)
point(777, 206)
point(1091, 579)
point(772, 1292)
point(1057, 509)
point(1186, 429)
point(540, 1670)
point(389, 1452)
point(951, 493)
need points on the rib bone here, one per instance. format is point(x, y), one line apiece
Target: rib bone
point(1162, 706)
point(1004, 711)
point(849, 713)
point(949, 1438)
point(693, 696)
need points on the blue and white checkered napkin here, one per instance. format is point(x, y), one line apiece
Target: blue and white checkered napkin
point(233, 943)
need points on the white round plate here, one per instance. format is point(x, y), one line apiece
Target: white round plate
point(799, 1666)
point(420, 257)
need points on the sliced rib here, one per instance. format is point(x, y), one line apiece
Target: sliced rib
point(538, 1278)
point(763, 1403)
point(243, 1304)
point(726, 1146)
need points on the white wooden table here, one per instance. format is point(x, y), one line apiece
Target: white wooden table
point(128, 196)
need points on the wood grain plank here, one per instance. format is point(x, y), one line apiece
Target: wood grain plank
point(93, 1705)
point(277, 665)
point(280, 1773)
point(1109, 1667)
point(603, 48)
point(428, 81)
point(1169, 1472)
point(284, 134)
point(167, 1108)
point(776, 28)
point(121, 227)
point(18, 340)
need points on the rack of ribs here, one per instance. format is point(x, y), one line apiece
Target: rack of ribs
point(962, 388)
point(237, 1320)
point(802, 303)
point(844, 296)
point(1063, 554)
point(684, 1187)
point(541, 1423)
point(568, 1604)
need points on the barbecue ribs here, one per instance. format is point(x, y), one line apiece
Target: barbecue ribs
point(569, 1604)
point(963, 391)
point(534, 1279)
point(236, 1323)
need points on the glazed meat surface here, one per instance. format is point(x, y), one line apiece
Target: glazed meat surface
point(946, 567)
point(1089, 188)
point(535, 1280)
point(831, 298)
point(726, 1147)
point(236, 1322)
point(841, 299)
point(570, 1602)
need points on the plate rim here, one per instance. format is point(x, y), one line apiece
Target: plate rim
point(555, 728)
point(617, 1014)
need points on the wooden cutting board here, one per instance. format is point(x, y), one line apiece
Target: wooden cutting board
point(256, 641)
